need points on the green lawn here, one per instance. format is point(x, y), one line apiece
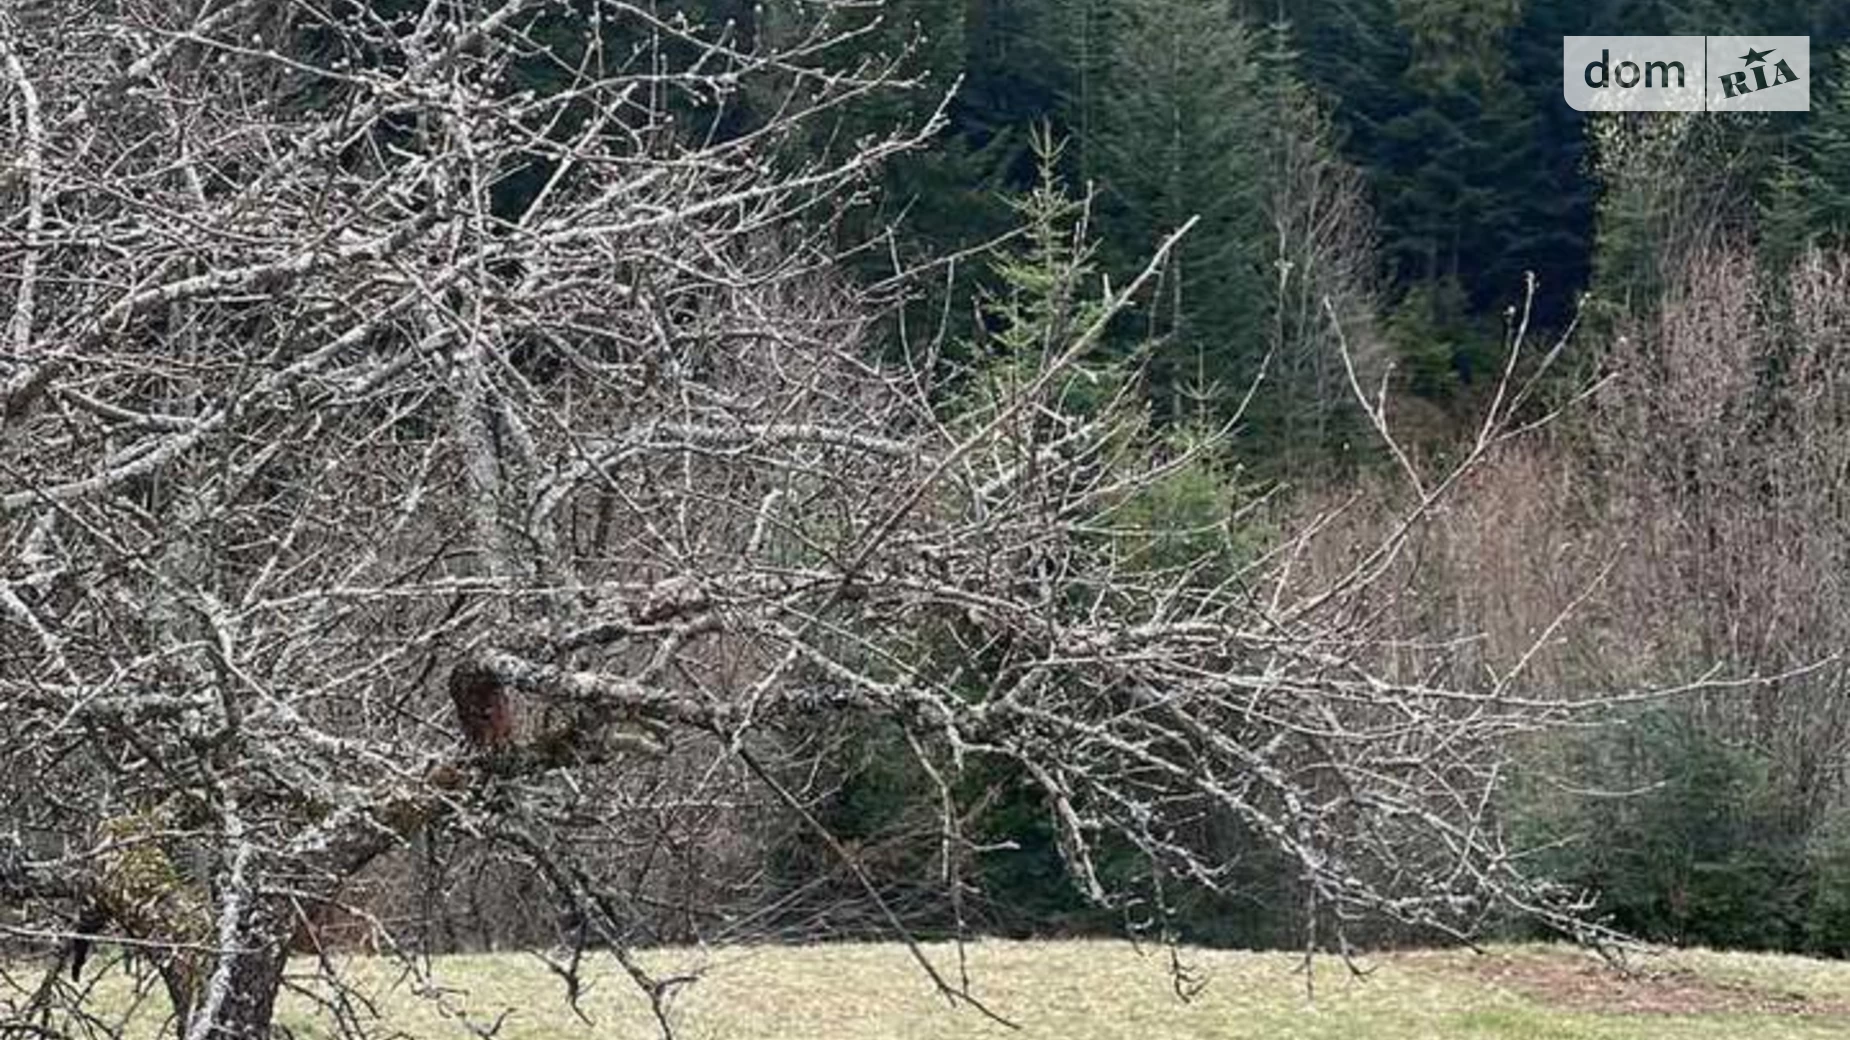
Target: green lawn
point(1099, 990)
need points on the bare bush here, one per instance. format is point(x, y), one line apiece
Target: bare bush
point(1690, 523)
point(1728, 459)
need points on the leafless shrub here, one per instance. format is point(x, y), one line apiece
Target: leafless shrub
point(1689, 522)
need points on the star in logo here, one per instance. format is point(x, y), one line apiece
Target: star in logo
point(1753, 56)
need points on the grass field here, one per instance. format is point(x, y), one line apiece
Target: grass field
point(1100, 990)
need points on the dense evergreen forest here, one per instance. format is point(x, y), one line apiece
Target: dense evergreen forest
point(1472, 170)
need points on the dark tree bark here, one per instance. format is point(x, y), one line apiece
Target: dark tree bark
point(252, 977)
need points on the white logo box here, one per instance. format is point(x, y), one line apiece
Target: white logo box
point(1686, 73)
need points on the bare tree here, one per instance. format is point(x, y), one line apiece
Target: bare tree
point(392, 447)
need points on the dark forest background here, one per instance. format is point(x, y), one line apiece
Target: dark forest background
point(1412, 163)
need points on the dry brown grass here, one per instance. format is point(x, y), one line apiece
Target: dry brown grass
point(1110, 990)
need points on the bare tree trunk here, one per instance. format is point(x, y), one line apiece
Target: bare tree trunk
point(249, 1002)
point(232, 995)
